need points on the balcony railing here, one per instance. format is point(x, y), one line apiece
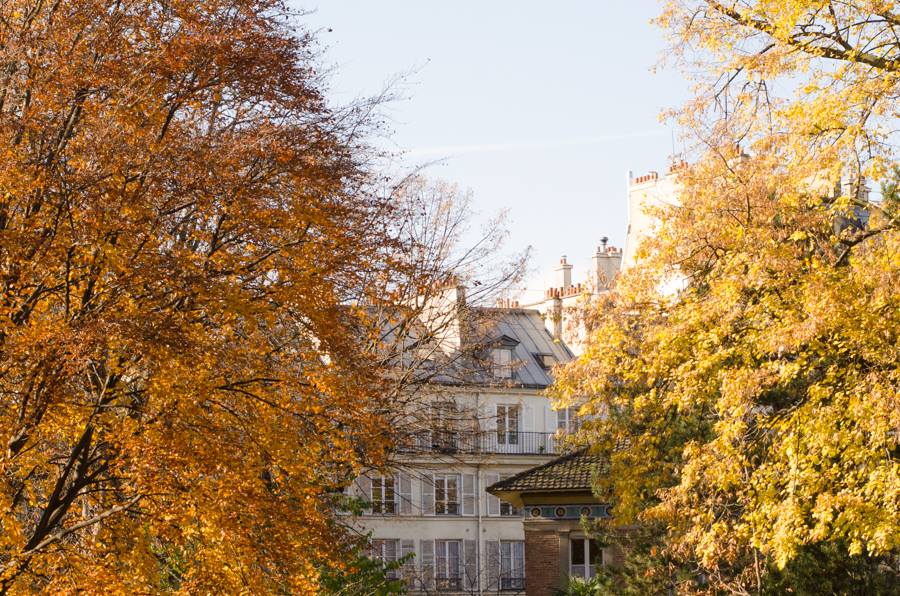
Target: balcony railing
point(487, 441)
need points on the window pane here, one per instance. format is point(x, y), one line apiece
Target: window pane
point(440, 558)
point(389, 494)
point(561, 419)
point(577, 551)
point(512, 560)
point(453, 559)
point(595, 553)
point(390, 550)
point(501, 358)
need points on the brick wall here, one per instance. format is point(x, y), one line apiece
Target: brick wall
point(616, 555)
point(542, 573)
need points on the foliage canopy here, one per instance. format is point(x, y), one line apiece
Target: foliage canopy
point(752, 417)
point(185, 226)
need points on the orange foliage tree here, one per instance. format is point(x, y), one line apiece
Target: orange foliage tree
point(185, 225)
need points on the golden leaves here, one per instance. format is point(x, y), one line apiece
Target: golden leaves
point(756, 412)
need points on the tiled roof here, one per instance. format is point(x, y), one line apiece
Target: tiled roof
point(574, 471)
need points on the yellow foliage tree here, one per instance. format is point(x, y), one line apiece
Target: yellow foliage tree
point(755, 413)
point(185, 227)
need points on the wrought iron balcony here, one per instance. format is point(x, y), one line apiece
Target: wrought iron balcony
point(486, 441)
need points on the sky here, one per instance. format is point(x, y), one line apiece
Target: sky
point(540, 108)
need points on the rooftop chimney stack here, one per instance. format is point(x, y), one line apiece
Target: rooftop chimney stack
point(607, 262)
point(564, 275)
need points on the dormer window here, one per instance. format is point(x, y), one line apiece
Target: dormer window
point(501, 363)
point(545, 361)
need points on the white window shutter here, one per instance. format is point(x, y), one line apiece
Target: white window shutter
point(527, 424)
point(403, 492)
point(427, 494)
point(470, 564)
point(408, 548)
point(468, 494)
point(426, 551)
point(487, 415)
point(492, 564)
point(493, 503)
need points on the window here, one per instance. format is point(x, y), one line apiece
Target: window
point(503, 508)
point(508, 509)
point(512, 565)
point(567, 419)
point(501, 363)
point(384, 496)
point(446, 494)
point(507, 425)
point(387, 550)
point(444, 414)
point(545, 361)
point(494, 505)
point(445, 417)
point(584, 555)
point(446, 564)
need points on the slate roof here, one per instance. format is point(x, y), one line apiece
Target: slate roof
point(527, 327)
point(518, 329)
point(574, 471)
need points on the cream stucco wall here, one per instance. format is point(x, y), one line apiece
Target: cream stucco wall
point(483, 524)
point(646, 192)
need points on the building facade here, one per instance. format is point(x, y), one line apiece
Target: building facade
point(560, 507)
point(646, 193)
point(475, 425)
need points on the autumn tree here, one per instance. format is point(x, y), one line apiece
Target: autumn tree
point(190, 241)
point(745, 376)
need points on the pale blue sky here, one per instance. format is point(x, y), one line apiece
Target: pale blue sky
point(541, 108)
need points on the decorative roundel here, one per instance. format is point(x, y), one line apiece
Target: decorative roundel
point(535, 512)
point(560, 512)
point(586, 511)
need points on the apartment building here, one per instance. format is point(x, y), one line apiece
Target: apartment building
point(646, 193)
point(561, 304)
point(482, 420)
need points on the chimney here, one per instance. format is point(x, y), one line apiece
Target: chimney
point(607, 262)
point(445, 312)
point(851, 186)
point(564, 275)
